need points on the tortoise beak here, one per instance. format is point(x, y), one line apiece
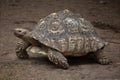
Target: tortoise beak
point(16, 32)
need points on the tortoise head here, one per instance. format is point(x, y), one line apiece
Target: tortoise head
point(19, 32)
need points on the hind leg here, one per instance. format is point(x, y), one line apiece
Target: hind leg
point(101, 57)
point(21, 50)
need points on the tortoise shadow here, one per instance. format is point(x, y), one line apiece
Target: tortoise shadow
point(80, 60)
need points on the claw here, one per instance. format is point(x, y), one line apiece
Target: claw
point(104, 61)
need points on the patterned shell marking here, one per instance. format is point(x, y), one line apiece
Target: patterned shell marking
point(64, 31)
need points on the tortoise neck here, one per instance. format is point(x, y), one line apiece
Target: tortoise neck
point(26, 37)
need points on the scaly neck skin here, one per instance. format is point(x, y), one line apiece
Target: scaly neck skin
point(26, 38)
point(29, 39)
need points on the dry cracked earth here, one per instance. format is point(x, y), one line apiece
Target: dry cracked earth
point(103, 14)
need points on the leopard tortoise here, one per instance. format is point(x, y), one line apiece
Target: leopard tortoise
point(61, 34)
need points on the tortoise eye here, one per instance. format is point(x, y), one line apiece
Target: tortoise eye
point(19, 31)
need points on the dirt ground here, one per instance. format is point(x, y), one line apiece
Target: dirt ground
point(105, 16)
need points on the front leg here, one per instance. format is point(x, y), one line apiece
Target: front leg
point(21, 49)
point(57, 58)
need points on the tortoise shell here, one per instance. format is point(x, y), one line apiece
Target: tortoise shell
point(67, 32)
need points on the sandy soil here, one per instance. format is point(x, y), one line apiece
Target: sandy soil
point(104, 14)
